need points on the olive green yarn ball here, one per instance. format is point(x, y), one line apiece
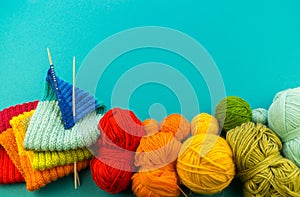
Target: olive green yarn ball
point(232, 111)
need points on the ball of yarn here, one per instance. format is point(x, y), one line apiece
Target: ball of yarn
point(284, 119)
point(232, 111)
point(260, 115)
point(205, 164)
point(264, 172)
point(151, 126)
point(113, 167)
point(176, 124)
point(157, 151)
point(156, 156)
point(159, 182)
point(204, 124)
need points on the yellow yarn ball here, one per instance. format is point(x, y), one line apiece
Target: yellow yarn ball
point(205, 164)
point(204, 124)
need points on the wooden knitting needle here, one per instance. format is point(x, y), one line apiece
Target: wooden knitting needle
point(49, 56)
point(76, 177)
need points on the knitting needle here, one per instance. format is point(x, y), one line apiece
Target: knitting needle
point(76, 177)
point(49, 57)
point(73, 90)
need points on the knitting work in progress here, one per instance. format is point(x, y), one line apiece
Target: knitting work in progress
point(12, 140)
point(46, 131)
point(8, 171)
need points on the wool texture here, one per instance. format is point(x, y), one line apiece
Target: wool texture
point(150, 126)
point(8, 171)
point(12, 140)
point(204, 124)
point(47, 133)
point(205, 164)
point(85, 103)
point(113, 166)
point(260, 115)
point(177, 124)
point(156, 158)
point(264, 172)
point(232, 111)
point(283, 118)
point(48, 159)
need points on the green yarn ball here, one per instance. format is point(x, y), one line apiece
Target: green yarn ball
point(232, 111)
point(260, 115)
point(284, 119)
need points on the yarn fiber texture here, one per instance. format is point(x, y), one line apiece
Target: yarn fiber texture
point(113, 167)
point(283, 117)
point(8, 171)
point(204, 124)
point(177, 124)
point(150, 126)
point(156, 158)
point(47, 133)
point(85, 103)
point(260, 115)
point(48, 159)
point(264, 172)
point(232, 111)
point(12, 140)
point(205, 164)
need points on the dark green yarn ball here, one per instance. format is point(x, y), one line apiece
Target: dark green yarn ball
point(232, 111)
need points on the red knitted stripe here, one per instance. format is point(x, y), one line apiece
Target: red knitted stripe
point(7, 114)
point(8, 172)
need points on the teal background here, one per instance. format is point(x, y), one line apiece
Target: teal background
point(255, 45)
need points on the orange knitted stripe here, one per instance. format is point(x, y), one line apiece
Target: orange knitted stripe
point(34, 179)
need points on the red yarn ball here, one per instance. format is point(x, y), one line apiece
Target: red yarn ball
point(113, 168)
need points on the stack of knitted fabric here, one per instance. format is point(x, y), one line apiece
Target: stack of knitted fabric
point(44, 140)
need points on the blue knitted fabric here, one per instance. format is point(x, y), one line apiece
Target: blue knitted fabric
point(85, 103)
point(47, 128)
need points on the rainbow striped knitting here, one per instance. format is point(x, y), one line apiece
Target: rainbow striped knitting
point(46, 131)
point(12, 140)
point(85, 103)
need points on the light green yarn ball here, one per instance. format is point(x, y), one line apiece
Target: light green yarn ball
point(260, 115)
point(284, 119)
point(232, 111)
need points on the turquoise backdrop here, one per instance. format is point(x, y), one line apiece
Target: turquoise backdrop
point(254, 44)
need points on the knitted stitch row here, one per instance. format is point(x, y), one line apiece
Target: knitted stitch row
point(46, 131)
point(12, 140)
point(8, 171)
point(48, 159)
point(85, 103)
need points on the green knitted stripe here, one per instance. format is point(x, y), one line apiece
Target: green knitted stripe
point(46, 160)
point(49, 95)
point(46, 131)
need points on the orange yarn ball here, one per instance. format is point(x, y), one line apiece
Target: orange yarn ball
point(176, 124)
point(156, 183)
point(204, 124)
point(151, 126)
point(156, 156)
point(156, 151)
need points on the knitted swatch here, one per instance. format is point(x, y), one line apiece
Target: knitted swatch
point(48, 159)
point(8, 171)
point(46, 131)
point(85, 103)
point(12, 140)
